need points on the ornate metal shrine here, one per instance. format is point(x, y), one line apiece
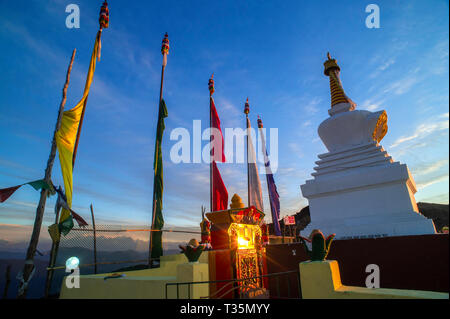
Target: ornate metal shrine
point(238, 230)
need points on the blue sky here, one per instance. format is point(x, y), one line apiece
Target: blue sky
point(271, 51)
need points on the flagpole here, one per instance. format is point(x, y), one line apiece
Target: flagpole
point(210, 159)
point(211, 181)
point(165, 51)
point(267, 175)
point(246, 111)
point(53, 255)
point(29, 262)
point(264, 151)
point(104, 23)
point(78, 132)
point(80, 126)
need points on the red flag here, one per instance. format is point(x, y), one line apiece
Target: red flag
point(81, 222)
point(215, 122)
point(6, 192)
point(220, 193)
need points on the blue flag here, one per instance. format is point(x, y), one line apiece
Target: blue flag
point(272, 188)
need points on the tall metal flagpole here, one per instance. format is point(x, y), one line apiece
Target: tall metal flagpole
point(29, 262)
point(246, 111)
point(94, 232)
point(165, 52)
point(211, 158)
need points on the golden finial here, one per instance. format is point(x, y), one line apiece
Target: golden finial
point(260, 123)
point(104, 16)
point(338, 95)
point(330, 64)
point(165, 44)
point(211, 85)
point(236, 202)
point(247, 107)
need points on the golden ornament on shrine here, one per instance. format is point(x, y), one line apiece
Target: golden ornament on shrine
point(236, 202)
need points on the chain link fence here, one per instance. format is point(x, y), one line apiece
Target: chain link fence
point(112, 248)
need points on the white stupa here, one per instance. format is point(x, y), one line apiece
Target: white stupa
point(358, 191)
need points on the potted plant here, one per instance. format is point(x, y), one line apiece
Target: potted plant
point(192, 250)
point(320, 245)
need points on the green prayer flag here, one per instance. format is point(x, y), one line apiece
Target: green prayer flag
point(158, 224)
point(37, 185)
point(42, 184)
point(5, 193)
point(66, 225)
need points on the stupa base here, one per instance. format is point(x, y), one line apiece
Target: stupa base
point(388, 225)
point(365, 201)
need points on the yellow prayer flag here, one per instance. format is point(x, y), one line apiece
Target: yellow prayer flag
point(67, 134)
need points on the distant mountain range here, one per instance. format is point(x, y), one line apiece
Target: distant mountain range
point(437, 212)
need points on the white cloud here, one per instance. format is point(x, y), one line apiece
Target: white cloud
point(432, 181)
point(382, 67)
point(409, 148)
point(306, 123)
point(402, 86)
point(423, 130)
point(312, 106)
point(438, 199)
point(386, 64)
point(228, 107)
point(372, 105)
point(430, 168)
point(296, 149)
point(228, 113)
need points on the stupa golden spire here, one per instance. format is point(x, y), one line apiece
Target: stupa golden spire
point(338, 96)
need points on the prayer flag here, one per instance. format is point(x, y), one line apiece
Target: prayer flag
point(158, 220)
point(254, 184)
point(66, 140)
point(220, 193)
point(218, 145)
point(5, 193)
point(274, 198)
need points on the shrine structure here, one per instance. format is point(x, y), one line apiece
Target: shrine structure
point(358, 191)
point(238, 252)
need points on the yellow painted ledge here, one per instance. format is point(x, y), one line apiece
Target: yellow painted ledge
point(322, 280)
point(145, 284)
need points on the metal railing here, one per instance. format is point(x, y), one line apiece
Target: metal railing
point(230, 283)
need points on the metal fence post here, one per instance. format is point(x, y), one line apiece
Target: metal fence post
point(95, 240)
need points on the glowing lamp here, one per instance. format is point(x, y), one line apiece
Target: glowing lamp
point(72, 263)
point(244, 234)
point(242, 243)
